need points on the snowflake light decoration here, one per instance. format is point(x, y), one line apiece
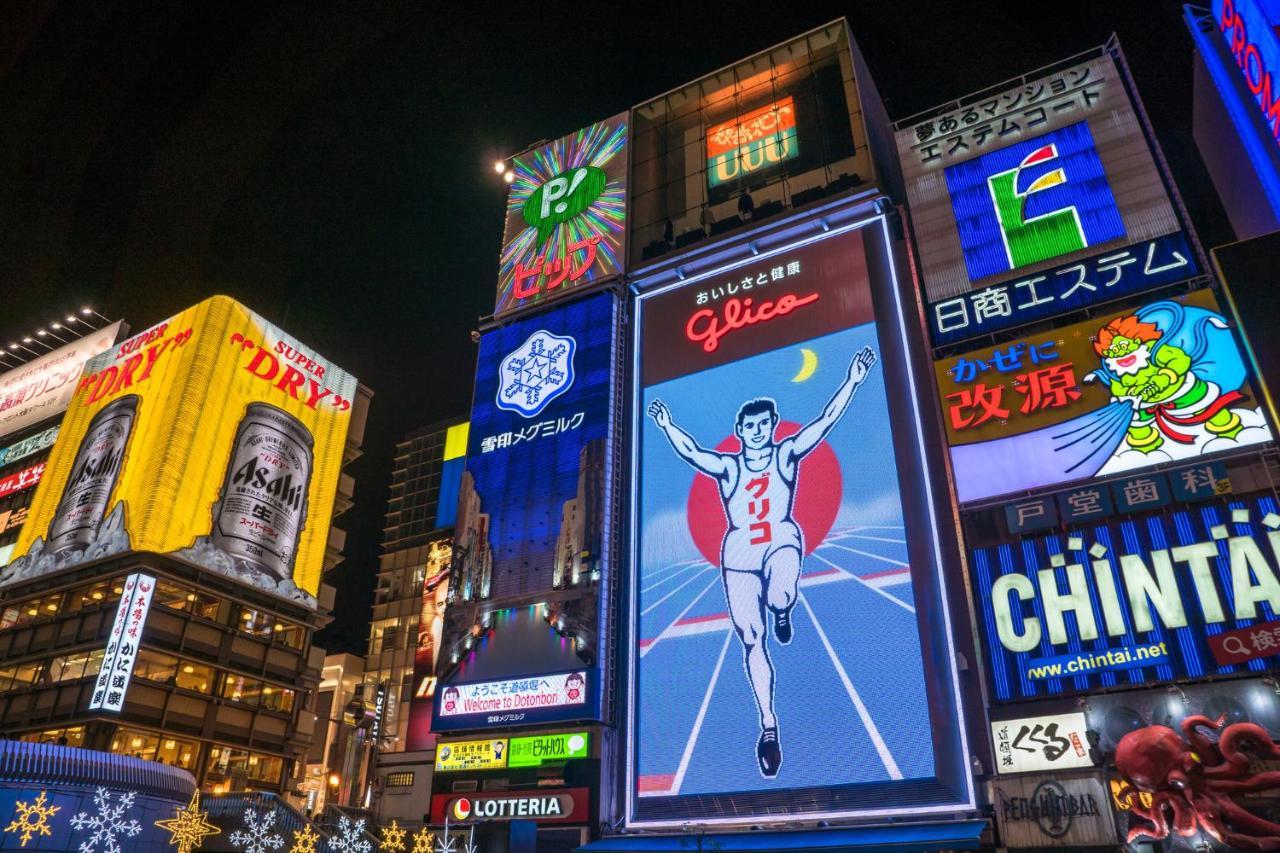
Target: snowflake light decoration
point(189, 826)
point(392, 837)
point(305, 840)
point(423, 841)
point(350, 837)
point(535, 373)
point(108, 824)
point(258, 838)
point(23, 822)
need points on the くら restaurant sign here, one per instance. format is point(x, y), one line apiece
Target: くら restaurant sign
point(562, 805)
point(1054, 811)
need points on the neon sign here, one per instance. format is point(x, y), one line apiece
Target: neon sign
point(704, 327)
point(749, 143)
point(1255, 56)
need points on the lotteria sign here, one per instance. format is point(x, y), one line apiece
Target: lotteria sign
point(1187, 594)
point(564, 805)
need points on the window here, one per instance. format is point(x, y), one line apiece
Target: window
point(22, 613)
point(72, 736)
point(96, 594)
point(401, 779)
point(239, 765)
point(154, 747)
point(251, 691)
point(76, 665)
point(17, 676)
point(173, 671)
point(258, 623)
point(177, 597)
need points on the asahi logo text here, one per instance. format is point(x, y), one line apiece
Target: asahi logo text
point(281, 487)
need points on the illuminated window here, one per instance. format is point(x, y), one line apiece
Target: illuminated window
point(156, 747)
point(258, 623)
point(77, 665)
point(402, 779)
point(178, 597)
point(227, 764)
point(251, 691)
point(72, 736)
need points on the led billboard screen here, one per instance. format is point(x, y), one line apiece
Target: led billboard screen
point(214, 437)
point(435, 594)
point(1191, 593)
point(1162, 382)
point(1037, 200)
point(42, 387)
point(521, 634)
point(751, 143)
point(566, 216)
point(783, 555)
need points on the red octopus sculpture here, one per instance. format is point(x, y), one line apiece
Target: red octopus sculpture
point(1191, 781)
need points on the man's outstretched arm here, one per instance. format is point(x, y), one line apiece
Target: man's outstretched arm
point(815, 431)
point(707, 461)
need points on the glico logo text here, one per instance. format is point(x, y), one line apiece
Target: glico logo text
point(1032, 201)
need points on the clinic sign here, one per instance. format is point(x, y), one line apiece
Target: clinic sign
point(1039, 199)
point(1185, 594)
point(1133, 387)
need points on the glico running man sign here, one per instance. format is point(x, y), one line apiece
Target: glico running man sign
point(784, 549)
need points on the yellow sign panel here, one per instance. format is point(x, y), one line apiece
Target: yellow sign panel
point(214, 437)
point(472, 755)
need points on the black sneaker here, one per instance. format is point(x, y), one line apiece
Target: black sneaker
point(769, 752)
point(782, 625)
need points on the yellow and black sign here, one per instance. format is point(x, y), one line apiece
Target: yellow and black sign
point(472, 755)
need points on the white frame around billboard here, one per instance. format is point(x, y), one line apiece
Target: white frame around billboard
point(636, 415)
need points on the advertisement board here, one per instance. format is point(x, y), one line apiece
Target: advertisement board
point(1189, 593)
point(521, 635)
point(122, 644)
point(42, 387)
point(1131, 388)
point(21, 480)
point(471, 755)
point(1046, 812)
point(1030, 744)
point(783, 554)
point(435, 594)
point(1038, 199)
point(566, 216)
point(497, 753)
point(213, 437)
point(753, 142)
point(27, 446)
point(536, 750)
point(556, 805)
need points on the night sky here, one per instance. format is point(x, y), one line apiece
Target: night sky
point(330, 164)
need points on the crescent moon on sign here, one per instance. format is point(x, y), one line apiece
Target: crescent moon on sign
point(808, 367)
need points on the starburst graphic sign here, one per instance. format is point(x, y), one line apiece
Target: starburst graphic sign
point(535, 373)
point(32, 819)
point(566, 216)
point(188, 828)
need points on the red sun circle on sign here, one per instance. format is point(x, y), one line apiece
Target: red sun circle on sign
point(461, 808)
point(818, 492)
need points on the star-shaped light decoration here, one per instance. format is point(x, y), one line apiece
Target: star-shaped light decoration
point(305, 841)
point(392, 837)
point(424, 841)
point(25, 825)
point(189, 826)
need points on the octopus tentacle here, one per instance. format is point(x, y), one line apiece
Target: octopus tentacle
point(1240, 818)
point(1206, 749)
point(1234, 740)
point(1155, 815)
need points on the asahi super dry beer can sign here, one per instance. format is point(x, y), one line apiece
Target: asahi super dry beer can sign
point(214, 437)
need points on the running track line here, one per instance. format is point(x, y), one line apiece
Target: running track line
point(670, 576)
point(646, 649)
point(863, 554)
point(876, 589)
point(890, 766)
point(694, 577)
point(702, 715)
point(666, 569)
point(876, 538)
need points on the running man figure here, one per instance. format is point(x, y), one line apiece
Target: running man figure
point(763, 546)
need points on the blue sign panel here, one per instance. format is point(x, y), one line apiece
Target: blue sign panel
point(1131, 602)
point(1103, 277)
point(1139, 494)
point(1031, 514)
point(1032, 201)
point(522, 632)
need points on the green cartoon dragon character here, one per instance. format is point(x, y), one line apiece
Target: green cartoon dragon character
point(1160, 380)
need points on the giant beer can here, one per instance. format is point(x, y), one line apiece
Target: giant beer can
point(93, 477)
point(263, 503)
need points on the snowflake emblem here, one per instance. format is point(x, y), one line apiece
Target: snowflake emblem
point(392, 837)
point(304, 840)
point(350, 837)
point(108, 823)
point(423, 841)
point(189, 826)
point(535, 373)
point(258, 838)
point(24, 824)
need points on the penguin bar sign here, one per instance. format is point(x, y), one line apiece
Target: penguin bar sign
point(1185, 594)
point(565, 805)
